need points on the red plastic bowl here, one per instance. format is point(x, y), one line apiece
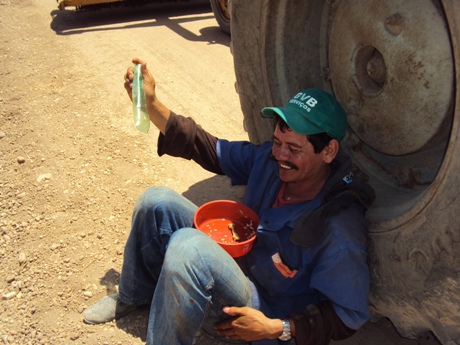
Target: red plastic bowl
point(216, 219)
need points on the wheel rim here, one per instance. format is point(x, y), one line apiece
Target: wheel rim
point(222, 7)
point(386, 69)
point(374, 60)
point(368, 66)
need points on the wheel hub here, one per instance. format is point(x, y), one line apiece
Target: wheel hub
point(376, 49)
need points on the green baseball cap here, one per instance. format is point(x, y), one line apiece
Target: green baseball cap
point(312, 111)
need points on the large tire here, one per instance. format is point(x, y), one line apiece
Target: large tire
point(395, 66)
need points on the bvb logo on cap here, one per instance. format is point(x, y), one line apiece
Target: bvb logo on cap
point(310, 102)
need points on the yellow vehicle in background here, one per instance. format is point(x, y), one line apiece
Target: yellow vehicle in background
point(219, 8)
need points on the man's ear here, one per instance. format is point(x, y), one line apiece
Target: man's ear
point(330, 151)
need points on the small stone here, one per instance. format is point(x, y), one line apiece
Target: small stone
point(9, 295)
point(74, 336)
point(55, 246)
point(2, 135)
point(21, 258)
point(88, 294)
point(21, 160)
point(42, 177)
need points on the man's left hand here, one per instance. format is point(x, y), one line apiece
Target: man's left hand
point(248, 324)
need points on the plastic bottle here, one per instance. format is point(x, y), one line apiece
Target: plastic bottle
point(141, 116)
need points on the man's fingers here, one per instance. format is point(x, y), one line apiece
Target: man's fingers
point(233, 311)
point(138, 61)
point(143, 66)
point(228, 332)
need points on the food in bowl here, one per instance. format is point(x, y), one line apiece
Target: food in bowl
point(231, 224)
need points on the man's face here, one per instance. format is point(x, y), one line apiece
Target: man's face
point(296, 158)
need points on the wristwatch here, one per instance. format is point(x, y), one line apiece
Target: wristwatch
point(286, 335)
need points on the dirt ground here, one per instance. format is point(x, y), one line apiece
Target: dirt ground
point(72, 164)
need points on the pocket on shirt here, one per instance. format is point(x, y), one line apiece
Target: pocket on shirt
point(276, 276)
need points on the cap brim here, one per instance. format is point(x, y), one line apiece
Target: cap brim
point(296, 121)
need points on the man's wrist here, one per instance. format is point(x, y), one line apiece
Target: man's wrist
point(286, 330)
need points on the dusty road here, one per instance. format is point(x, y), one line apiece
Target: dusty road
point(72, 163)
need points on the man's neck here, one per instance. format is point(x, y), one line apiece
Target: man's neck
point(297, 192)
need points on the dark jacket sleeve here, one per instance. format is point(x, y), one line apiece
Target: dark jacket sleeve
point(318, 324)
point(185, 139)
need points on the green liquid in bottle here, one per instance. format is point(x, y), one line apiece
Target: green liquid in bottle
point(141, 116)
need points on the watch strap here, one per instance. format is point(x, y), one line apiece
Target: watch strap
point(286, 335)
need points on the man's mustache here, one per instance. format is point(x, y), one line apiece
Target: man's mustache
point(289, 164)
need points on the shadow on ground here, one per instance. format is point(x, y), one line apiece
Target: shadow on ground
point(382, 332)
point(171, 15)
point(214, 188)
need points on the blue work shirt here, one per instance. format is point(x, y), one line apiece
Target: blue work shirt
point(288, 277)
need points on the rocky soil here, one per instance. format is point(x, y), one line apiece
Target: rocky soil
point(72, 163)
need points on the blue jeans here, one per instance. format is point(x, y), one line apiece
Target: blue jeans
point(185, 276)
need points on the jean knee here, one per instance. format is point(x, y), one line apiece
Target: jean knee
point(185, 254)
point(187, 238)
point(155, 196)
point(188, 243)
